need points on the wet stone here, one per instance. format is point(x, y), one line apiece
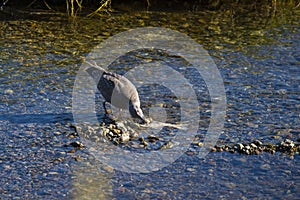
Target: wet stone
point(121, 126)
point(247, 147)
point(258, 143)
point(166, 145)
point(213, 149)
point(286, 146)
point(145, 143)
point(76, 144)
point(115, 132)
point(125, 137)
point(253, 146)
point(133, 135)
point(153, 138)
point(200, 144)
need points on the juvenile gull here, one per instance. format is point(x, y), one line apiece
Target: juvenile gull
point(117, 90)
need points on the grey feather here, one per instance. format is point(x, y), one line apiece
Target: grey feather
point(117, 90)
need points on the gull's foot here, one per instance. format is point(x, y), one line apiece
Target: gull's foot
point(109, 118)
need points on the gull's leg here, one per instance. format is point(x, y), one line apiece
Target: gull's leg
point(104, 106)
point(108, 117)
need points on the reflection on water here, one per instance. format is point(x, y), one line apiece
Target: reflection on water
point(256, 52)
point(91, 181)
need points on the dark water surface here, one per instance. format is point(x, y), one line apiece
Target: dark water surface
point(257, 54)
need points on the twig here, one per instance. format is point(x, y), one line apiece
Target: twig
point(31, 4)
point(47, 5)
point(105, 4)
point(3, 4)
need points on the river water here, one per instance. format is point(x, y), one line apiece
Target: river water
point(257, 54)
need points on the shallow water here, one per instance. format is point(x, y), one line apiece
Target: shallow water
point(258, 58)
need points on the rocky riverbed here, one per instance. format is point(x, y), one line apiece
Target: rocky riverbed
point(126, 134)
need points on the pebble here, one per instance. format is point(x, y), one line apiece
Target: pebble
point(200, 144)
point(125, 137)
point(8, 91)
point(121, 126)
point(77, 144)
point(213, 149)
point(252, 145)
point(57, 133)
point(258, 143)
point(145, 143)
point(286, 146)
point(152, 138)
point(166, 145)
point(116, 131)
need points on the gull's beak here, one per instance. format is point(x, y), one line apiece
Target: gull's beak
point(143, 120)
point(141, 117)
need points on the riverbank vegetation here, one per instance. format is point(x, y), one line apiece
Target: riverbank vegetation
point(74, 8)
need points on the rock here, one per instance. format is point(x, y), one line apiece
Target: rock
point(125, 137)
point(166, 145)
point(213, 149)
point(145, 143)
point(200, 144)
point(77, 144)
point(110, 134)
point(115, 141)
point(111, 126)
point(247, 147)
point(239, 147)
point(247, 151)
point(105, 131)
point(286, 146)
point(219, 149)
point(253, 146)
point(152, 138)
point(258, 143)
point(133, 135)
point(8, 92)
point(116, 131)
point(121, 126)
